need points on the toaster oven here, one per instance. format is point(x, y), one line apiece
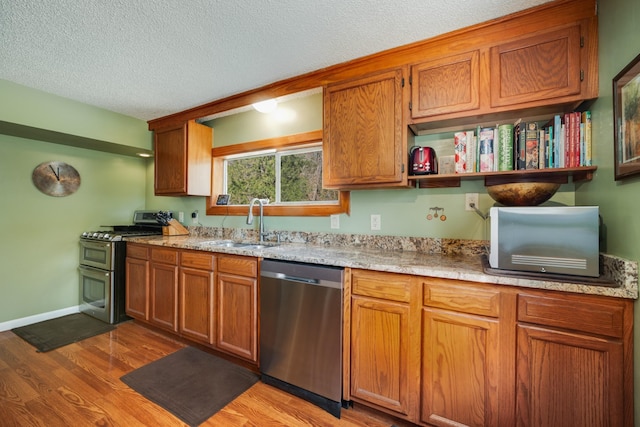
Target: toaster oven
point(557, 239)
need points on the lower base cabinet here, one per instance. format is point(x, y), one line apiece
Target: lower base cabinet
point(163, 289)
point(197, 296)
point(237, 309)
point(467, 355)
point(137, 281)
point(488, 355)
point(567, 379)
point(208, 298)
point(459, 367)
point(385, 341)
point(380, 353)
point(574, 361)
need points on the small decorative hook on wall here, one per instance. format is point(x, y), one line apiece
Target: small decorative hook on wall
point(436, 214)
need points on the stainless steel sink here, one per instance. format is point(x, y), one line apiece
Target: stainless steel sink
point(263, 245)
point(232, 244)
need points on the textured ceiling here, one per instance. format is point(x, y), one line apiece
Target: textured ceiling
point(151, 58)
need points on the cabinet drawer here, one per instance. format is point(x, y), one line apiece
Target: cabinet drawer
point(199, 260)
point(450, 295)
point(596, 317)
point(240, 265)
point(388, 286)
point(165, 256)
point(137, 251)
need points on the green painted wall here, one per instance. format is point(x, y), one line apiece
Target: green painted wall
point(39, 233)
point(298, 115)
point(30, 107)
point(619, 202)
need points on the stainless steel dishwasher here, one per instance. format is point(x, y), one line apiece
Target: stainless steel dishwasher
point(301, 331)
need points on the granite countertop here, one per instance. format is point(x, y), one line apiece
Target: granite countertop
point(468, 267)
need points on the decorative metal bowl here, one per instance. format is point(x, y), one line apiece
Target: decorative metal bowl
point(522, 193)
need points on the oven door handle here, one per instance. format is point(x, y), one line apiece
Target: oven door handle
point(95, 245)
point(93, 271)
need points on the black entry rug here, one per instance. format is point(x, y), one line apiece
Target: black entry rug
point(51, 334)
point(190, 383)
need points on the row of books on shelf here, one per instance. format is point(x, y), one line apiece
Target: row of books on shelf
point(562, 142)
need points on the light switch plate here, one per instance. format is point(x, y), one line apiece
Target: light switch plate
point(375, 222)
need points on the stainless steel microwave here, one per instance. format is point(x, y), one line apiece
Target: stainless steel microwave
point(558, 239)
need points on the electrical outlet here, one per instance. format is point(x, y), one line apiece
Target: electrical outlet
point(469, 199)
point(181, 217)
point(335, 222)
point(375, 222)
point(194, 217)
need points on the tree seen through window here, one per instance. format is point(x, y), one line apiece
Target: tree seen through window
point(293, 176)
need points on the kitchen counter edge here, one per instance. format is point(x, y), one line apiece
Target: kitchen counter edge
point(457, 267)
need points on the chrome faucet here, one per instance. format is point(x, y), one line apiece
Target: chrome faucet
point(250, 217)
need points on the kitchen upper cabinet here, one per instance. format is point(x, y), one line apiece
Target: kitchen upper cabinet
point(183, 160)
point(365, 137)
point(385, 341)
point(446, 85)
point(137, 281)
point(530, 70)
point(237, 306)
point(542, 67)
point(163, 288)
point(529, 66)
point(467, 368)
point(197, 297)
point(574, 361)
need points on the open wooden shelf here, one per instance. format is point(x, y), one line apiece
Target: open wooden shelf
point(557, 175)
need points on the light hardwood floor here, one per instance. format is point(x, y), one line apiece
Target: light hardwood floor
point(79, 385)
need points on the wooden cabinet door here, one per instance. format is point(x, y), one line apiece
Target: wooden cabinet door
point(171, 161)
point(237, 315)
point(183, 160)
point(540, 67)
point(380, 356)
point(196, 304)
point(446, 85)
point(363, 132)
point(568, 379)
point(137, 288)
point(164, 296)
point(460, 369)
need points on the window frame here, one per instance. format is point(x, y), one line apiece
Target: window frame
point(288, 142)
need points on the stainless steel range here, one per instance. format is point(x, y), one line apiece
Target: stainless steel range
point(102, 266)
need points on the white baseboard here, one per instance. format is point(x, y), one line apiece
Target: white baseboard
point(16, 323)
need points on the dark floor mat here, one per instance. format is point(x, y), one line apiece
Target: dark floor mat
point(54, 333)
point(190, 383)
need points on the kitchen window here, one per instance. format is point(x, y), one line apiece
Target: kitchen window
point(287, 171)
point(285, 177)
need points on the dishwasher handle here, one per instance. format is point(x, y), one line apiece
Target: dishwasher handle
point(283, 276)
point(305, 280)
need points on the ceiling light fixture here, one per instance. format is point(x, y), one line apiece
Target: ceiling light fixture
point(267, 106)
